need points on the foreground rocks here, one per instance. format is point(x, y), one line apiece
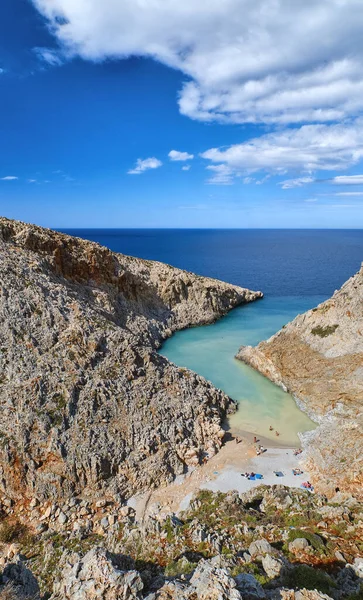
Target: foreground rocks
point(318, 357)
point(224, 547)
point(87, 405)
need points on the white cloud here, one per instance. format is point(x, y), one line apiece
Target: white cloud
point(49, 56)
point(311, 200)
point(272, 61)
point(348, 180)
point(32, 181)
point(186, 168)
point(348, 194)
point(223, 175)
point(145, 165)
point(8, 178)
point(306, 149)
point(299, 182)
point(175, 155)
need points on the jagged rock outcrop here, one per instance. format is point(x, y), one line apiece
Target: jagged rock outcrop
point(318, 357)
point(244, 549)
point(97, 575)
point(87, 404)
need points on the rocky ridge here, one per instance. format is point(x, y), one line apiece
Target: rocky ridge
point(88, 406)
point(318, 357)
point(272, 543)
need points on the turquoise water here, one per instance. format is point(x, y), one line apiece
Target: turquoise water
point(210, 351)
point(302, 263)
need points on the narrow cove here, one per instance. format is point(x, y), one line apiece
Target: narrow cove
point(210, 351)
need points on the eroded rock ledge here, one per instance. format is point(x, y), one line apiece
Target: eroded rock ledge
point(318, 357)
point(87, 404)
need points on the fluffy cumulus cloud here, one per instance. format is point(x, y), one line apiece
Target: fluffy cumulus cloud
point(175, 155)
point(306, 149)
point(145, 165)
point(272, 61)
point(8, 178)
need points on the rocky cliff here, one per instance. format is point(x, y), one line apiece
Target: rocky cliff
point(318, 357)
point(87, 404)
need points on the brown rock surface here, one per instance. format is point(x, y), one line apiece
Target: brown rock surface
point(86, 402)
point(318, 357)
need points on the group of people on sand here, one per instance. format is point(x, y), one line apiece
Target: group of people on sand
point(252, 475)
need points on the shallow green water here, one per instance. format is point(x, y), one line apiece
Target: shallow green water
point(210, 351)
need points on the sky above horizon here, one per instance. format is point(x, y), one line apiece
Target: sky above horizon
point(161, 113)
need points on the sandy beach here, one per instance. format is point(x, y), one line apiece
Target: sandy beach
point(223, 473)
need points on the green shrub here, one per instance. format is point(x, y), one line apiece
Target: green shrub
point(179, 567)
point(357, 595)
point(304, 576)
point(13, 532)
point(314, 540)
point(324, 331)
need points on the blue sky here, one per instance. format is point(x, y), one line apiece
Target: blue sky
point(162, 114)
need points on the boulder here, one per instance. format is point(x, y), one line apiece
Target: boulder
point(210, 582)
point(207, 583)
point(260, 548)
point(298, 545)
point(357, 567)
point(249, 587)
point(272, 566)
point(97, 575)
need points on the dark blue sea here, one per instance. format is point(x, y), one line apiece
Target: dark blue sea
point(295, 269)
point(279, 262)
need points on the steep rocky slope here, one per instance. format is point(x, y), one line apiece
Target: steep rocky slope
point(87, 405)
point(272, 543)
point(319, 358)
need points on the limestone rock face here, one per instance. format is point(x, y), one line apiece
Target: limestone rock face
point(94, 576)
point(87, 404)
point(318, 357)
point(207, 583)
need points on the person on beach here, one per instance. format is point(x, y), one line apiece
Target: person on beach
point(255, 440)
point(277, 433)
point(271, 428)
point(297, 471)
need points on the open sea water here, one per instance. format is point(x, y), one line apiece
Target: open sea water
point(296, 270)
